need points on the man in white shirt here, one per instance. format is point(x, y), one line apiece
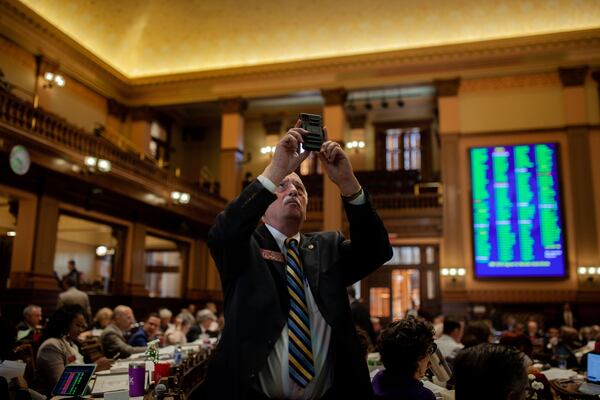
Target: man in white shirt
point(449, 343)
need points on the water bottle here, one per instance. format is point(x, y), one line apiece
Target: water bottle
point(177, 356)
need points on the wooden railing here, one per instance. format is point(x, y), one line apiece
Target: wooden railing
point(390, 201)
point(22, 115)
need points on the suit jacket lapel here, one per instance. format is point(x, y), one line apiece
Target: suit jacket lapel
point(311, 262)
point(266, 241)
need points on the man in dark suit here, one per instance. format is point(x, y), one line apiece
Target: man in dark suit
point(289, 332)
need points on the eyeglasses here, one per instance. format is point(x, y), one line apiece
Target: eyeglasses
point(432, 349)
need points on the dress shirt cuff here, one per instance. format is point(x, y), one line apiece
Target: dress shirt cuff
point(267, 183)
point(361, 199)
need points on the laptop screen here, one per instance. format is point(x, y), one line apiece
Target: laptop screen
point(74, 380)
point(593, 371)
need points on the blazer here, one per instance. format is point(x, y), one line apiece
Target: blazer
point(256, 301)
point(114, 342)
point(52, 357)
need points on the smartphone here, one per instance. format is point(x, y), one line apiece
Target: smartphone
point(314, 125)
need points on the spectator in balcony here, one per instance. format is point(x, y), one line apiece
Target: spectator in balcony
point(72, 295)
point(73, 273)
point(405, 347)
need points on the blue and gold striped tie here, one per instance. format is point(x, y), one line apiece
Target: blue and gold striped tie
point(301, 362)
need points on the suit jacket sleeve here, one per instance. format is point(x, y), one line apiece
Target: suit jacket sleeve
point(229, 238)
point(112, 344)
point(369, 247)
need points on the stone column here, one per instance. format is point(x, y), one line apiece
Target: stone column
point(21, 261)
point(580, 166)
point(44, 246)
point(232, 147)
point(449, 130)
point(334, 118)
point(134, 277)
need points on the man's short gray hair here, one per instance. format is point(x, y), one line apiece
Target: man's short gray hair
point(27, 311)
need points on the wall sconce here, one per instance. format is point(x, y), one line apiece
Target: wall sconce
point(92, 163)
point(588, 272)
point(453, 272)
point(11, 233)
point(180, 197)
point(355, 144)
point(102, 251)
point(52, 79)
point(267, 150)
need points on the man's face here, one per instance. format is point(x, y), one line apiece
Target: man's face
point(124, 319)
point(290, 204)
point(151, 326)
point(35, 317)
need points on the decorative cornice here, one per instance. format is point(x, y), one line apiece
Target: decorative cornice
point(509, 82)
point(478, 59)
point(573, 76)
point(334, 97)
point(446, 87)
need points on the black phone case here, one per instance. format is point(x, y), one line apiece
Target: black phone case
point(312, 123)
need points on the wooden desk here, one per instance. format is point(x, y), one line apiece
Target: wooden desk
point(567, 390)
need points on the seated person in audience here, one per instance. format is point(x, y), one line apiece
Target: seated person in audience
point(449, 343)
point(102, 318)
point(72, 295)
point(146, 333)
point(491, 372)
point(565, 349)
point(29, 330)
point(405, 347)
point(177, 333)
point(165, 319)
point(476, 332)
point(207, 321)
point(113, 336)
point(533, 331)
point(59, 347)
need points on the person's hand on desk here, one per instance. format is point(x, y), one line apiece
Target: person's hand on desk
point(104, 363)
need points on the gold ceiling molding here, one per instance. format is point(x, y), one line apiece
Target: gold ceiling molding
point(510, 82)
point(534, 54)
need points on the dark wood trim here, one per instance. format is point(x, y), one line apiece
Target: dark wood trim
point(557, 129)
point(575, 76)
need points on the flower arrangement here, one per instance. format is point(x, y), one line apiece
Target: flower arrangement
point(536, 388)
point(152, 353)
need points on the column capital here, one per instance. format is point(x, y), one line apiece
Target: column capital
point(334, 97)
point(236, 105)
point(447, 87)
point(574, 76)
point(142, 113)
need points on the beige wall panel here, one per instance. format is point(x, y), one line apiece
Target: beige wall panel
point(511, 109)
point(592, 104)
point(465, 219)
point(18, 67)
point(595, 163)
point(77, 104)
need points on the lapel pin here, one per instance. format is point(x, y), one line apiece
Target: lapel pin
point(311, 246)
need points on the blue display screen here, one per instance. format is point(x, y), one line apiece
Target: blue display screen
point(516, 211)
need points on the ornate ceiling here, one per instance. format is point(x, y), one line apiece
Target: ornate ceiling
point(143, 38)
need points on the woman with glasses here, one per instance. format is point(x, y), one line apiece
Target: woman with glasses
point(59, 346)
point(405, 347)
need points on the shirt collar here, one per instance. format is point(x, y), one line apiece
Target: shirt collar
point(280, 237)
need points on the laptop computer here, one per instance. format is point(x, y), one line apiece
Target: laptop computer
point(74, 379)
point(592, 386)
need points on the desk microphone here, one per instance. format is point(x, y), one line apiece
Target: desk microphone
point(159, 391)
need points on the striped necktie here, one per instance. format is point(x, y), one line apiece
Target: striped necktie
point(301, 365)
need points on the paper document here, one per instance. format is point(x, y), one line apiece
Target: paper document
point(110, 383)
point(12, 369)
point(556, 373)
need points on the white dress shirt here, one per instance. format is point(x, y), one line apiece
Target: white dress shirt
point(448, 346)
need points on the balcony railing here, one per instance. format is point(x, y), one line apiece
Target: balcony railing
point(44, 125)
point(394, 201)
